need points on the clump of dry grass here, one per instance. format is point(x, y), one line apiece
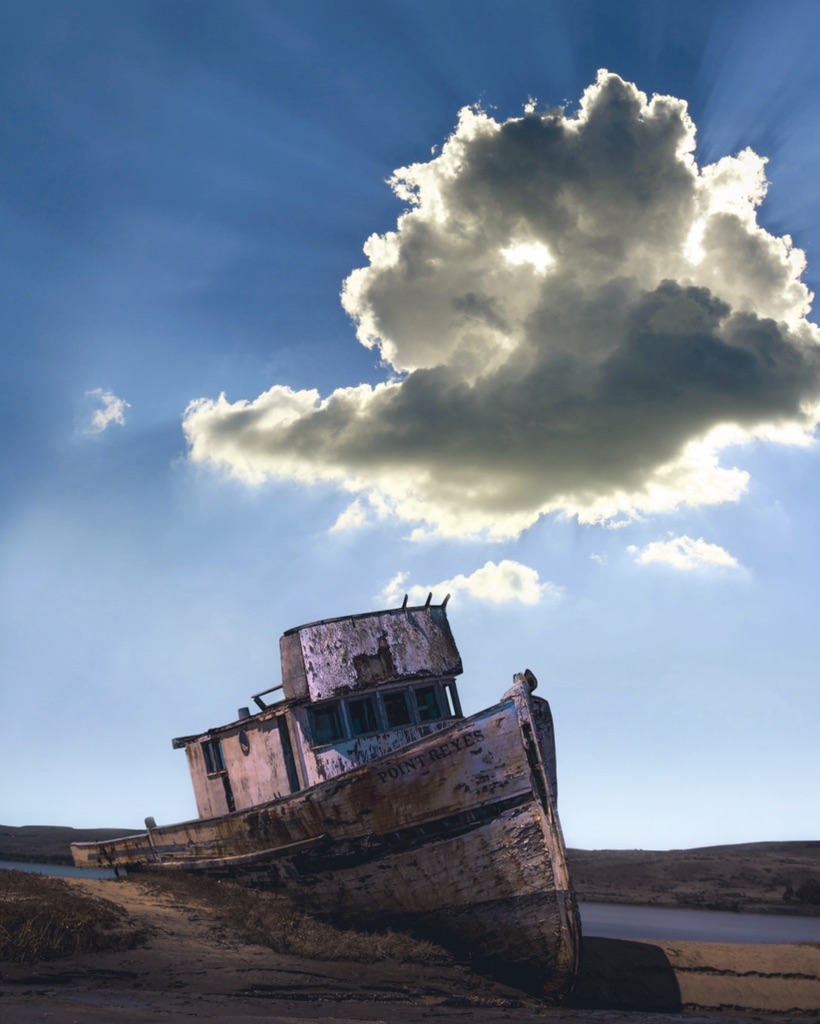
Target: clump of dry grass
point(272, 919)
point(42, 917)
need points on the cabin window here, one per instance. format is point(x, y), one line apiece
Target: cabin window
point(396, 710)
point(327, 723)
point(427, 704)
point(212, 754)
point(338, 720)
point(451, 701)
point(362, 716)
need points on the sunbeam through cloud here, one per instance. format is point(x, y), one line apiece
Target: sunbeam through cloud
point(578, 320)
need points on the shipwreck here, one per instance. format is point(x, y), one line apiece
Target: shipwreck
point(358, 786)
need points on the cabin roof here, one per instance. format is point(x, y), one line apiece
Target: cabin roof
point(402, 609)
point(337, 656)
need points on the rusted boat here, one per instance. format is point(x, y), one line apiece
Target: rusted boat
point(365, 792)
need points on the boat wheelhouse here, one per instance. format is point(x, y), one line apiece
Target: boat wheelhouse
point(353, 689)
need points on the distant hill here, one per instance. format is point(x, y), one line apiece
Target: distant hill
point(781, 878)
point(49, 844)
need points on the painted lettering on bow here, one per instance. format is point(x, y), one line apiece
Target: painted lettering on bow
point(410, 765)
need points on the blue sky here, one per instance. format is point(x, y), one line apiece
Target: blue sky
point(186, 190)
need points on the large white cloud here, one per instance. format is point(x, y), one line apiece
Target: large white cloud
point(575, 318)
point(506, 582)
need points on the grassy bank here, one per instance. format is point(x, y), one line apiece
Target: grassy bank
point(41, 918)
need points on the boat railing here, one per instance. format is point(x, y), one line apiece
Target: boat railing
point(257, 697)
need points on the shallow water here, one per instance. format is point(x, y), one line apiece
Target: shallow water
point(60, 870)
point(622, 921)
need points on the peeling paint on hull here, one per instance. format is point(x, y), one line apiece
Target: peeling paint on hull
point(455, 835)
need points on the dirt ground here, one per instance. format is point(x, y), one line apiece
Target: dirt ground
point(192, 968)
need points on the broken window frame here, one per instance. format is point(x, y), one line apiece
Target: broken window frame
point(452, 703)
point(342, 730)
point(432, 711)
point(392, 695)
point(370, 719)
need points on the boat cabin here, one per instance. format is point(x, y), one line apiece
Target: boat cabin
point(352, 689)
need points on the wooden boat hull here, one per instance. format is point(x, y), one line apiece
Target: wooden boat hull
point(455, 836)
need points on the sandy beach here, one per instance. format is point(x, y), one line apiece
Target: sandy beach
point(191, 964)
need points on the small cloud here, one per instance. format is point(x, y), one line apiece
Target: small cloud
point(111, 410)
point(501, 583)
point(619, 524)
point(684, 553)
point(354, 517)
point(600, 559)
point(392, 593)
